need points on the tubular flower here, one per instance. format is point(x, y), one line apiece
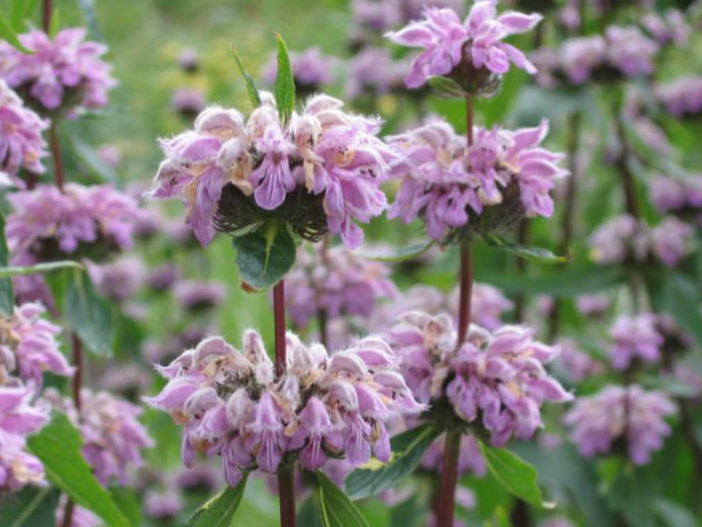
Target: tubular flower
point(681, 97)
point(635, 337)
point(336, 281)
point(624, 239)
point(19, 418)
point(502, 177)
point(28, 346)
point(21, 143)
point(628, 413)
point(231, 403)
point(64, 72)
point(681, 196)
point(319, 172)
point(113, 438)
point(495, 379)
point(466, 51)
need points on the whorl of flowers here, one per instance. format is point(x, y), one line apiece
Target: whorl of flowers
point(575, 364)
point(319, 172)
point(501, 177)
point(118, 280)
point(621, 52)
point(374, 71)
point(380, 15)
point(195, 295)
point(681, 97)
point(337, 281)
point(28, 346)
point(312, 70)
point(635, 337)
point(188, 101)
point(19, 418)
point(592, 305)
point(470, 52)
point(682, 196)
point(495, 379)
point(231, 403)
point(64, 72)
point(669, 28)
point(113, 437)
point(624, 239)
point(46, 221)
point(21, 142)
point(628, 413)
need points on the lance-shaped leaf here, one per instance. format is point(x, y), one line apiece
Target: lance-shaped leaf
point(265, 255)
point(336, 509)
point(251, 89)
point(47, 267)
point(30, 506)
point(514, 474)
point(89, 314)
point(7, 299)
point(220, 510)
point(9, 34)
point(534, 254)
point(58, 446)
point(407, 451)
point(400, 255)
point(284, 82)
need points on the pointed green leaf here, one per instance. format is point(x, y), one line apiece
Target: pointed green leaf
point(336, 508)
point(534, 254)
point(446, 87)
point(58, 446)
point(91, 161)
point(17, 15)
point(407, 253)
point(284, 82)
point(514, 474)
point(674, 514)
point(407, 451)
point(89, 314)
point(9, 34)
point(220, 510)
point(30, 506)
point(7, 299)
point(265, 255)
point(39, 268)
point(250, 85)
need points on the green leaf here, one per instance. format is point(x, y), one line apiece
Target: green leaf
point(446, 87)
point(220, 510)
point(284, 82)
point(88, 314)
point(251, 89)
point(128, 502)
point(534, 254)
point(680, 298)
point(17, 15)
point(90, 160)
point(407, 451)
point(336, 508)
point(39, 268)
point(673, 514)
point(28, 507)
point(7, 299)
point(516, 475)
point(265, 255)
point(58, 446)
point(407, 253)
point(9, 34)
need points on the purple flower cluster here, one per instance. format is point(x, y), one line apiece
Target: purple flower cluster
point(476, 43)
point(681, 97)
point(671, 27)
point(592, 305)
point(617, 412)
point(381, 15)
point(21, 143)
point(337, 281)
point(64, 71)
point(624, 239)
point(445, 183)
point(198, 296)
point(374, 71)
point(622, 51)
point(635, 337)
point(28, 347)
point(322, 151)
point(113, 437)
point(231, 403)
point(677, 195)
point(496, 378)
point(312, 70)
point(188, 101)
point(576, 364)
point(118, 280)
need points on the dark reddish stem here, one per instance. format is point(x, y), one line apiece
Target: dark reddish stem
point(46, 16)
point(78, 376)
point(68, 514)
point(469, 120)
point(322, 320)
point(286, 491)
point(466, 291)
point(56, 156)
point(279, 321)
point(449, 478)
